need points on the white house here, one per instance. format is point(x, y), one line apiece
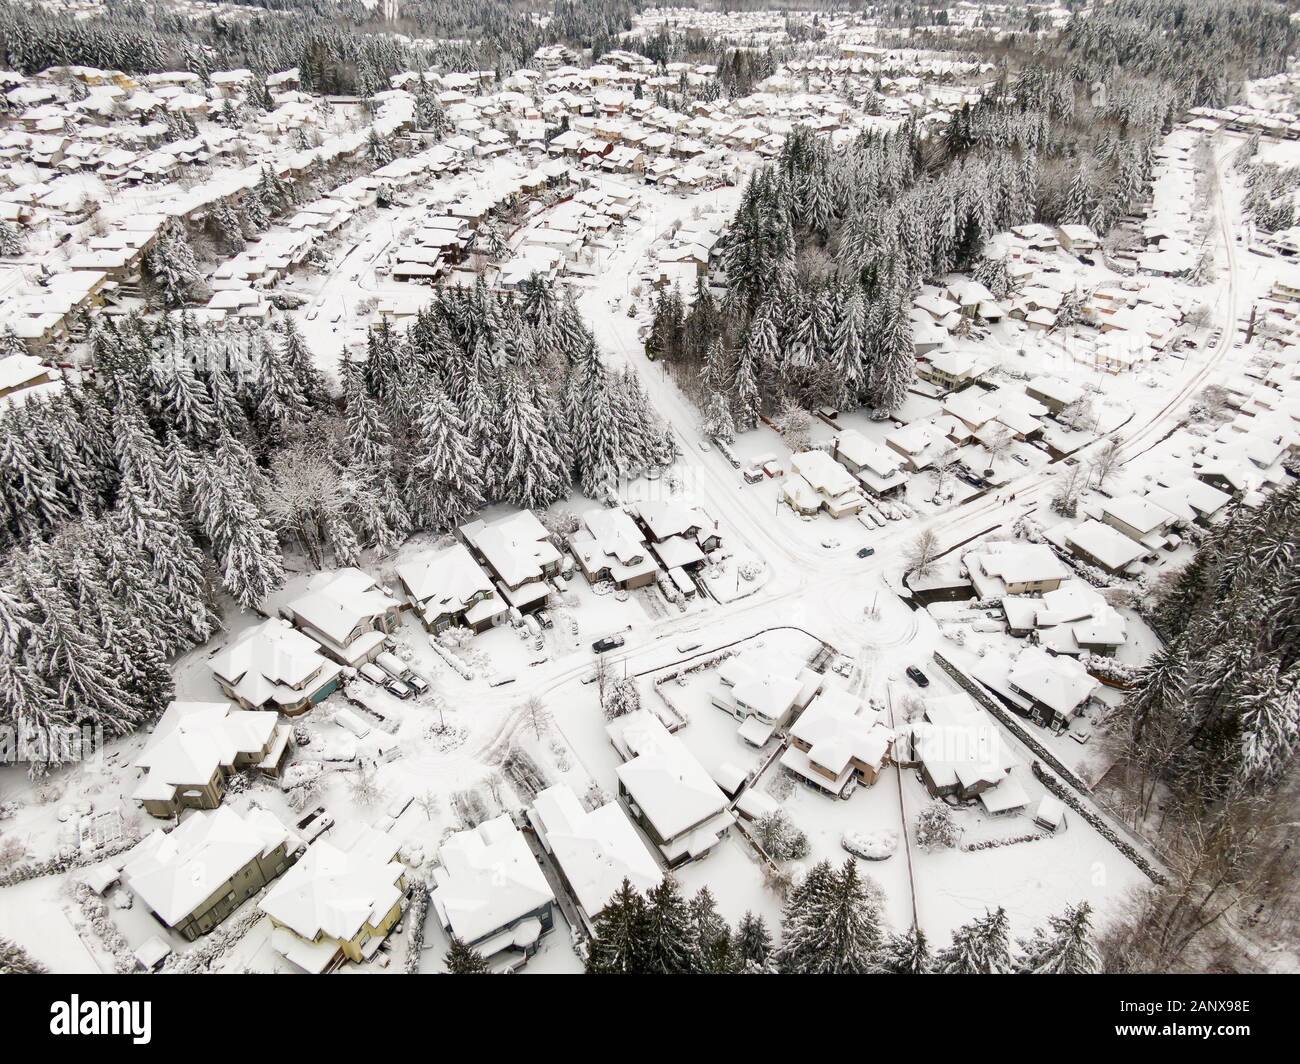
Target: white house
point(667, 791)
point(595, 850)
point(448, 588)
point(274, 666)
point(338, 902)
point(490, 892)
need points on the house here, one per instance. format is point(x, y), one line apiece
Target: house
point(339, 902)
point(818, 482)
point(489, 890)
point(1139, 518)
point(763, 690)
point(519, 552)
point(876, 468)
point(347, 613)
point(594, 851)
point(195, 748)
point(1190, 500)
point(449, 588)
point(1077, 238)
point(680, 536)
point(196, 875)
point(1074, 619)
point(667, 791)
point(274, 666)
point(953, 370)
point(611, 546)
point(1053, 393)
point(1101, 545)
point(957, 748)
point(1055, 686)
point(1014, 568)
point(835, 739)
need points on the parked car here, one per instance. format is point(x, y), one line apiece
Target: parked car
point(866, 552)
point(398, 689)
point(609, 642)
point(374, 674)
point(1080, 735)
point(392, 664)
point(917, 676)
point(418, 683)
point(545, 619)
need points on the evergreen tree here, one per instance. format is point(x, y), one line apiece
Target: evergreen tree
point(463, 960)
point(981, 947)
point(1064, 948)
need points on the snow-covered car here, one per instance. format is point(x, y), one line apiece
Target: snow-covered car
point(418, 683)
point(1020, 458)
point(1080, 735)
point(398, 689)
point(878, 845)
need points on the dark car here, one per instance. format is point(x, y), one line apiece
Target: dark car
point(918, 677)
point(610, 642)
point(866, 552)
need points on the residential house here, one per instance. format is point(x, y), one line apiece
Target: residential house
point(960, 754)
point(489, 890)
point(196, 875)
point(1101, 545)
point(347, 613)
point(764, 690)
point(196, 746)
point(449, 588)
point(519, 552)
point(593, 851)
point(667, 791)
point(876, 468)
point(339, 902)
point(1014, 568)
point(818, 482)
point(611, 547)
point(1055, 686)
point(274, 666)
point(837, 738)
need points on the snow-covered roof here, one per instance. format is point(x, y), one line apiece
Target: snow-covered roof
point(1058, 682)
point(270, 662)
point(1112, 549)
point(595, 850)
point(193, 739)
point(662, 777)
point(959, 743)
point(839, 729)
point(336, 889)
point(517, 546)
point(446, 582)
point(336, 602)
point(487, 879)
point(174, 872)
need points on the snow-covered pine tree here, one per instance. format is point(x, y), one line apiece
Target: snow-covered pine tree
point(981, 947)
point(907, 954)
point(464, 960)
point(243, 544)
point(618, 942)
point(1064, 947)
point(443, 483)
point(751, 945)
point(532, 472)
